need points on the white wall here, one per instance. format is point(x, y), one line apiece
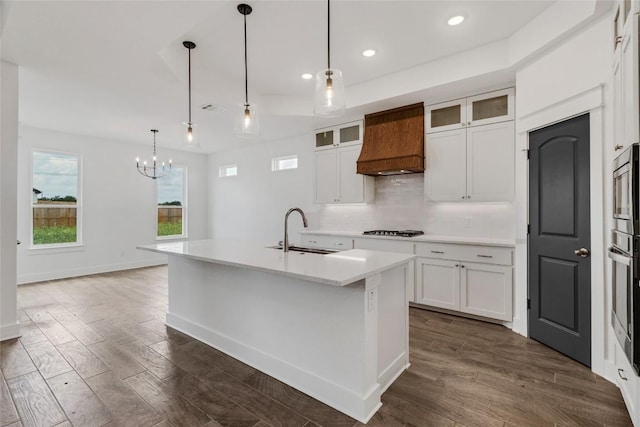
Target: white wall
point(118, 205)
point(8, 154)
point(573, 78)
point(252, 205)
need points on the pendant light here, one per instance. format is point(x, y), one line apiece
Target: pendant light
point(247, 123)
point(329, 97)
point(154, 171)
point(190, 137)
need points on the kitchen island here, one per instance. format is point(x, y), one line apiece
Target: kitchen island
point(333, 326)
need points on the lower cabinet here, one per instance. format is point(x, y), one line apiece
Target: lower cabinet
point(449, 280)
point(627, 381)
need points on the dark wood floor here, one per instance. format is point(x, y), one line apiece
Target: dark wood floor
point(95, 352)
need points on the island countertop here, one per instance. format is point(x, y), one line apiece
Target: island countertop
point(337, 269)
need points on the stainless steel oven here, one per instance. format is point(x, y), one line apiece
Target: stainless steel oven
point(625, 191)
point(623, 254)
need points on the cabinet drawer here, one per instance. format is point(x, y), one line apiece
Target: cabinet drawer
point(327, 242)
point(384, 245)
point(473, 253)
point(628, 386)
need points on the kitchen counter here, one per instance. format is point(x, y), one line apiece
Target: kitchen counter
point(339, 269)
point(487, 241)
point(335, 327)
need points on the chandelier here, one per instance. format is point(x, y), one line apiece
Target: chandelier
point(153, 171)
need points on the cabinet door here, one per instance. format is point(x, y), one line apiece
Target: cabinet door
point(326, 178)
point(350, 184)
point(629, 92)
point(490, 162)
point(325, 138)
point(492, 107)
point(350, 133)
point(445, 116)
point(445, 176)
point(438, 283)
point(486, 290)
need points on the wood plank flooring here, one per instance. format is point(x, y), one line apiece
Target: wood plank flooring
point(95, 352)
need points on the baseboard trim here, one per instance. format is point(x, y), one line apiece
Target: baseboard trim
point(85, 271)
point(361, 407)
point(10, 331)
point(393, 371)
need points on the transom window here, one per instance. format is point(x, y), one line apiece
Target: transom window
point(284, 163)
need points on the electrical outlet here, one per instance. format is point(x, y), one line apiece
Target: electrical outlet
point(467, 221)
point(371, 300)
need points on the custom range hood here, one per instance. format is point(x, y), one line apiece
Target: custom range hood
point(393, 142)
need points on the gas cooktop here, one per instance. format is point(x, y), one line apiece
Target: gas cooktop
point(401, 233)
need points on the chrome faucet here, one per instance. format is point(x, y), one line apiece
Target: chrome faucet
point(285, 242)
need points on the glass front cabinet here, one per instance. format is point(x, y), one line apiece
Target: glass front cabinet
point(492, 107)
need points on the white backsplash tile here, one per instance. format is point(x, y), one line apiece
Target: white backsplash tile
point(400, 204)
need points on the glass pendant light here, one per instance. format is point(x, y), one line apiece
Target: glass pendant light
point(153, 171)
point(247, 123)
point(190, 136)
point(329, 96)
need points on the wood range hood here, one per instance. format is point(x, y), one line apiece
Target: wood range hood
point(393, 142)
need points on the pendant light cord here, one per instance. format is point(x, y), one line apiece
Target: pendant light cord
point(154, 142)
point(246, 72)
point(189, 86)
point(328, 35)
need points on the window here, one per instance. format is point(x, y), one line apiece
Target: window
point(228, 170)
point(284, 163)
point(171, 203)
point(55, 199)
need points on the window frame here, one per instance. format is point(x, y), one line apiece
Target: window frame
point(185, 203)
point(222, 170)
point(275, 161)
point(78, 205)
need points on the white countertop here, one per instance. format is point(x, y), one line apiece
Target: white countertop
point(487, 241)
point(339, 269)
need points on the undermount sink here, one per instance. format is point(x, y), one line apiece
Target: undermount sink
point(305, 249)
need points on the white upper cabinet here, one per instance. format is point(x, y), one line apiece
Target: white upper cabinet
point(336, 179)
point(340, 135)
point(492, 107)
point(473, 164)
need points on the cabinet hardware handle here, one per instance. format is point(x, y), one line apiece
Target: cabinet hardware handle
point(462, 266)
point(457, 265)
point(19, 242)
point(463, 197)
point(339, 244)
point(463, 124)
point(485, 256)
point(468, 123)
point(468, 197)
point(437, 252)
point(618, 39)
point(620, 374)
point(618, 147)
point(313, 241)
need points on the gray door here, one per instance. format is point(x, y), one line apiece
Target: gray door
point(559, 238)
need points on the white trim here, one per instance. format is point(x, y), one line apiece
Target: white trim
point(11, 331)
point(77, 205)
point(589, 101)
point(85, 271)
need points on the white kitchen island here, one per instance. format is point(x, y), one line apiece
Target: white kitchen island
point(333, 326)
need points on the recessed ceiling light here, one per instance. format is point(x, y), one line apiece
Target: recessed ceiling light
point(455, 20)
point(368, 52)
point(307, 76)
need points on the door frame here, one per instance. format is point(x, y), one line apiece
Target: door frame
point(589, 101)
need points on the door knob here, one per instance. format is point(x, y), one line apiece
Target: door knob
point(583, 252)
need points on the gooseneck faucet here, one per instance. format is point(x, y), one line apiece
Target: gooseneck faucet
point(285, 242)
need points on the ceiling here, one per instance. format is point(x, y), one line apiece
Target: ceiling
point(116, 69)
